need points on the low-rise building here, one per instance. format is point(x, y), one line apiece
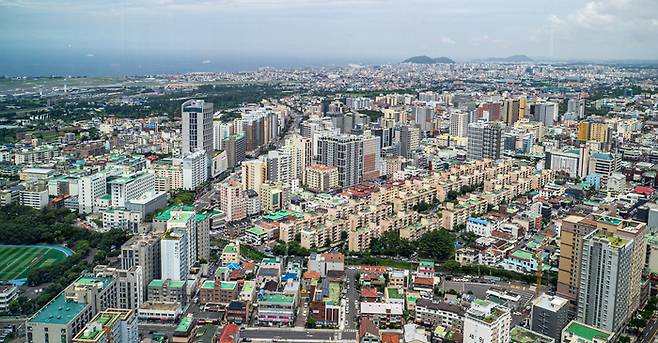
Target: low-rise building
point(275, 308)
point(111, 325)
point(431, 314)
point(577, 332)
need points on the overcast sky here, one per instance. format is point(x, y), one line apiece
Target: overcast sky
point(381, 30)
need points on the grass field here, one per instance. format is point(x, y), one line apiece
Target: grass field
point(18, 260)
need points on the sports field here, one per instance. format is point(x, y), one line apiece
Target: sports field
point(16, 261)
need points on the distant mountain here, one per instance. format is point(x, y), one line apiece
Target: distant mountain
point(428, 60)
point(512, 59)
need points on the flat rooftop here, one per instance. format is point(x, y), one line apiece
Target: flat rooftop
point(58, 311)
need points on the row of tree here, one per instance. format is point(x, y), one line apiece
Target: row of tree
point(438, 245)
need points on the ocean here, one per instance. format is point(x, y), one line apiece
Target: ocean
point(38, 62)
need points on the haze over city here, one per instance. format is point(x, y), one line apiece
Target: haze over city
point(229, 35)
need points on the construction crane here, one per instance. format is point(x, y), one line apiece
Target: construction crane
point(539, 255)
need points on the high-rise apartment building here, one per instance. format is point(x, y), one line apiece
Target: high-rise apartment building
point(510, 111)
point(232, 200)
point(593, 131)
point(459, 124)
point(142, 251)
point(603, 296)
point(90, 188)
point(197, 127)
point(301, 156)
point(130, 187)
point(572, 233)
point(195, 169)
point(345, 152)
point(484, 141)
point(409, 140)
point(604, 164)
point(278, 166)
point(174, 247)
point(254, 174)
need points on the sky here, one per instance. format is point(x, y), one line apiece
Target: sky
point(331, 30)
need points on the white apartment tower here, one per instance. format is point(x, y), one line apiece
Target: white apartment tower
point(90, 188)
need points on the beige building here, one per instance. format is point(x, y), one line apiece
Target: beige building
point(321, 178)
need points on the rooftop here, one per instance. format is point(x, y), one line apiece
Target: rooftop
point(58, 311)
point(102, 282)
point(277, 298)
point(184, 325)
point(586, 332)
point(523, 335)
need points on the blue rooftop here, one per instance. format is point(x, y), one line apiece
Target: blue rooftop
point(601, 156)
point(478, 221)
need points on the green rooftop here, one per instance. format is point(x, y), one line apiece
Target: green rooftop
point(168, 283)
point(279, 215)
point(334, 294)
point(228, 285)
point(256, 231)
point(210, 284)
point(615, 241)
point(277, 298)
point(185, 324)
point(587, 333)
point(58, 311)
point(166, 214)
point(248, 286)
point(230, 249)
point(523, 255)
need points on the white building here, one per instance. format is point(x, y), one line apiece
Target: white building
point(174, 255)
point(129, 187)
point(480, 227)
point(459, 124)
point(195, 169)
point(34, 196)
point(487, 322)
point(90, 188)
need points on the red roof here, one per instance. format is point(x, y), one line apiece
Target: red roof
point(644, 190)
point(369, 293)
point(312, 275)
point(424, 280)
point(390, 338)
point(229, 333)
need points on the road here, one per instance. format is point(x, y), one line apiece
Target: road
point(352, 296)
point(290, 334)
point(649, 332)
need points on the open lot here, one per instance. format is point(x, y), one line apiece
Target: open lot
point(18, 260)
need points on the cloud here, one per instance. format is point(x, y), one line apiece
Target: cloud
point(609, 15)
point(486, 39)
point(446, 40)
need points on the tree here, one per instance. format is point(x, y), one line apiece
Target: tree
point(183, 198)
point(452, 196)
point(452, 266)
point(470, 238)
point(343, 235)
point(438, 245)
point(310, 322)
